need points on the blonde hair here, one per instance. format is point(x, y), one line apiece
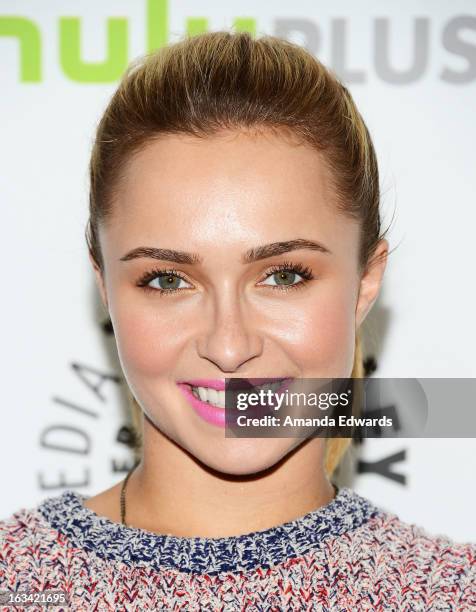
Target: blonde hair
point(230, 80)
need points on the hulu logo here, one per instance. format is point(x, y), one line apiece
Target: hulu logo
point(445, 50)
point(116, 59)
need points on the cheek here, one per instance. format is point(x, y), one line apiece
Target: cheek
point(324, 342)
point(147, 341)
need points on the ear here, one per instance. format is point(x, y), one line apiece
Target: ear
point(371, 281)
point(100, 282)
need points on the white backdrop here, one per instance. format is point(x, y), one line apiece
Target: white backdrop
point(411, 67)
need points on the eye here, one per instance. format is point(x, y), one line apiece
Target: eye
point(288, 276)
point(283, 277)
point(162, 281)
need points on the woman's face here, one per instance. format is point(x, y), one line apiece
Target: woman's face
point(232, 208)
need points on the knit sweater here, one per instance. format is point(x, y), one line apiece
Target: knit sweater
point(346, 555)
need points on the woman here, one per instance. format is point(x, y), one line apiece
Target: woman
point(234, 232)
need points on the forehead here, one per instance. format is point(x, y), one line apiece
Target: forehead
point(240, 185)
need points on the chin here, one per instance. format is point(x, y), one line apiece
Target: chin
point(244, 456)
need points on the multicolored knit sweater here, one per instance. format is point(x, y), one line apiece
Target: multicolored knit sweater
point(346, 555)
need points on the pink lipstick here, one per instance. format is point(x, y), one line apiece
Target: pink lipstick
point(208, 412)
point(211, 383)
point(216, 415)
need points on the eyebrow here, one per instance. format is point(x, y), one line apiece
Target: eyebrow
point(254, 254)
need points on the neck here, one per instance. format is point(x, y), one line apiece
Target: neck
point(170, 492)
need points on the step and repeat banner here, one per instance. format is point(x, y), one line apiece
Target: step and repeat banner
point(411, 67)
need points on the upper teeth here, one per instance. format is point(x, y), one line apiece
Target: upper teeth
point(217, 398)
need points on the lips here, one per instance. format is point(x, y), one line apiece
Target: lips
point(231, 383)
point(211, 383)
point(195, 391)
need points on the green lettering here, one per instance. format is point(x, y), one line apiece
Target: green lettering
point(107, 71)
point(196, 25)
point(245, 24)
point(30, 46)
point(157, 24)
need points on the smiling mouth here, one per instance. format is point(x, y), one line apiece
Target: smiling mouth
point(217, 398)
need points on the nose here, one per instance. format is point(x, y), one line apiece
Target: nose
point(231, 338)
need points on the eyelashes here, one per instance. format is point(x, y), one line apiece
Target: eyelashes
point(170, 274)
point(304, 271)
point(148, 277)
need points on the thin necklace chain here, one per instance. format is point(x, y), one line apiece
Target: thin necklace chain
point(123, 494)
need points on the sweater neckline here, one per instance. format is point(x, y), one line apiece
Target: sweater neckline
point(113, 541)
